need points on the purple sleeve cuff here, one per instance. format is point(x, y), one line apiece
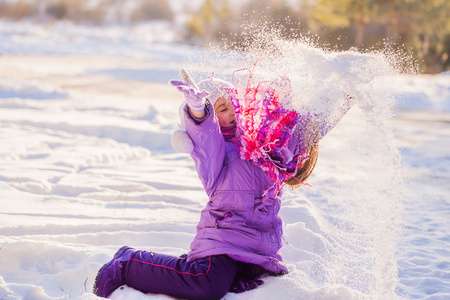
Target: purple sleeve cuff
point(208, 110)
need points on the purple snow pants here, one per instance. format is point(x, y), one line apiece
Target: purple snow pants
point(207, 278)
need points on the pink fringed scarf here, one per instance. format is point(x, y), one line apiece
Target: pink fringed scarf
point(229, 133)
point(264, 128)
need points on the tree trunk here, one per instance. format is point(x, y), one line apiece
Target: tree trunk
point(360, 28)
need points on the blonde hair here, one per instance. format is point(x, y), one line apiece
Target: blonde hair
point(303, 173)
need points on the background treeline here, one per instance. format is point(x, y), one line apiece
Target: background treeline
point(420, 26)
point(98, 12)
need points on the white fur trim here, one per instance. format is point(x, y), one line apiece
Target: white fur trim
point(181, 141)
point(182, 124)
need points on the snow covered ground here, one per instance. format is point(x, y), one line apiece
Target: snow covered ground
point(86, 166)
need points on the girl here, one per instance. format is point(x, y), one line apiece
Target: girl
point(239, 234)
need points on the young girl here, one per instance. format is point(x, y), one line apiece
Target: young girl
point(239, 234)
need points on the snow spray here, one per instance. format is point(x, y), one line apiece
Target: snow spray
point(340, 233)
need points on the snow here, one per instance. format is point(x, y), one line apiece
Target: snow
point(86, 166)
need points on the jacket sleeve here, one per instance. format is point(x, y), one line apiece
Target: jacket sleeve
point(209, 146)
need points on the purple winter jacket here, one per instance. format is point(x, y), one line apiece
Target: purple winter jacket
point(235, 221)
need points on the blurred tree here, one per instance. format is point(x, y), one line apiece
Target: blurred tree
point(430, 31)
point(420, 25)
point(210, 22)
point(195, 28)
point(208, 15)
point(17, 10)
point(57, 10)
point(344, 13)
point(394, 16)
point(207, 12)
point(274, 13)
point(75, 10)
point(66, 9)
point(151, 10)
point(268, 11)
point(225, 25)
point(225, 10)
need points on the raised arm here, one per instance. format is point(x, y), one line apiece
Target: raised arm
point(203, 129)
point(194, 97)
point(209, 145)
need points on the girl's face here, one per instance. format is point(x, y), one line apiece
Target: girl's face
point(224, 111)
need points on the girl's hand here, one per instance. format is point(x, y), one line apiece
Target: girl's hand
point(194, 97)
